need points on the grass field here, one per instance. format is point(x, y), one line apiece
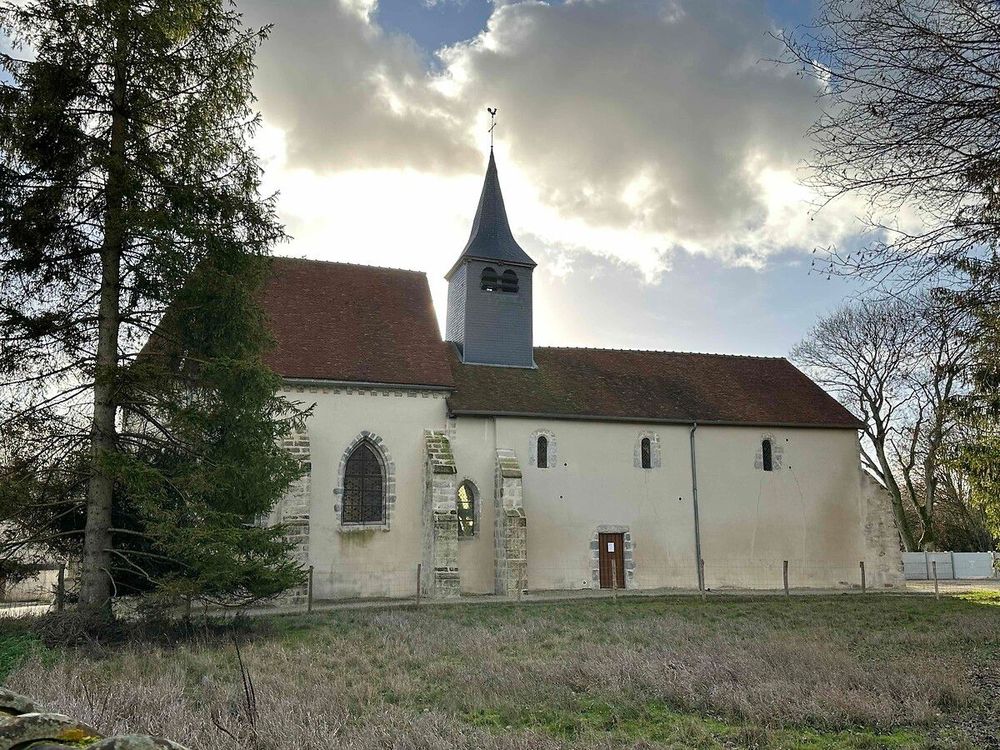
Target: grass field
point(806, 672)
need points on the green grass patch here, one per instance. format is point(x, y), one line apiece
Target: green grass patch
point(981, 596)
point(16, 648)
point(657, 723)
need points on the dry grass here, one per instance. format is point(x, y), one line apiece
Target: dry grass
point(808, 672)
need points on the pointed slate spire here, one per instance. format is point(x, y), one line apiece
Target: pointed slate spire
point(491, 238)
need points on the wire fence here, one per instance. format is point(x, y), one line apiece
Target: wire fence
point(617, 577)
point(51, 588)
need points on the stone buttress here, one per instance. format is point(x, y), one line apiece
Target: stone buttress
point(439, 575)
point(294, 507)
point(884, 560)
point(510, 531)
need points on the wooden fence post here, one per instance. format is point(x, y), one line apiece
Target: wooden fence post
point(309, 600)
point(61, 588)
point(784, 575)
point(418, 584)
point(937, 594)
point(864, 586)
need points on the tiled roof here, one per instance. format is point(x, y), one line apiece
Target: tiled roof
point(648, 386)
point(363, 324)
point(491, 238)
point(343, 322)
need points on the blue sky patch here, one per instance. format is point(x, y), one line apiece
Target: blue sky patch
point(436, 25)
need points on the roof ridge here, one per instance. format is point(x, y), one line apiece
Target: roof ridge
point(346, 263)
point(660, 351)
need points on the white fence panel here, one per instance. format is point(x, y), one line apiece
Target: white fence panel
point(974, 564)
point(917, 566)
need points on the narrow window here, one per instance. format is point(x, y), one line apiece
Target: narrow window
point(489, 281)
point(364, 495)
point(647, 453)
point(466, 509)
point(543, 452)
point(508, 282)
point(765, 453)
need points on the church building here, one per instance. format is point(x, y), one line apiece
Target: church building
point(497, 467)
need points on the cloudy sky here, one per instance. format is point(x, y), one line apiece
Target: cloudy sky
point(649, 154)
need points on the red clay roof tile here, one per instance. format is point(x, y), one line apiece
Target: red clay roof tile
point(351, 323)
point(343, 322)
point(648, 386)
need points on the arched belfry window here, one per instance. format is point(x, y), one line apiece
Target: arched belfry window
point(543, 452)
point(364, 487)
point(766, 457)
point(489, 281)
point(508, 282)
point(466, 502)
point(646, 449)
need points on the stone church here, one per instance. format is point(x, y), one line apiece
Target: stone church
point(500, 467)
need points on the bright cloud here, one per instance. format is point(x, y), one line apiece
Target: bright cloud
point(629, 130)
point(661, 119)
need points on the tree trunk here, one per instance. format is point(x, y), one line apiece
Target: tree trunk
point(95, 575)
point(902, 522)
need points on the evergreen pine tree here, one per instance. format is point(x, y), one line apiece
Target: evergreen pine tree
point(129, 186)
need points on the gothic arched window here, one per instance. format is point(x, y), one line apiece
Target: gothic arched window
point(466, 505)
point(364, 487)
point(542, 455)
point(646, 449)
point(508, 282)
point(489, 281)
point(767, 462)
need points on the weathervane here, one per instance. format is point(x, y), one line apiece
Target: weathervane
point(493, 123)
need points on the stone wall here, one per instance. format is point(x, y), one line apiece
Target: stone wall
point(295, 506)
point(440, 578)
point(510, 527)
point(883, 555)
point(24, 725)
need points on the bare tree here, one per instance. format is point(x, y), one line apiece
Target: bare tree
point(897, 364)
point(943, 352)
point(911, 121)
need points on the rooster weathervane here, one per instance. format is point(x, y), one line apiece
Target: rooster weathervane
point(493, 123)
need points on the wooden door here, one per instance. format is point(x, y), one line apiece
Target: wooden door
point(611, 547)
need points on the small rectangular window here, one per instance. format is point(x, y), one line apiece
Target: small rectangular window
point(466, 506)
point(765, 454)
point(647, 458)
point(543, 452)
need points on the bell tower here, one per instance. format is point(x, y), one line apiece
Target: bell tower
point(489, 314)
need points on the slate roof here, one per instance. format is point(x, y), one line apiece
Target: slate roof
point(491, 238)
point(344, 322)
point(647, 386)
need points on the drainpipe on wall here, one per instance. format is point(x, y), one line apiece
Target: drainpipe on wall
point(697, 520)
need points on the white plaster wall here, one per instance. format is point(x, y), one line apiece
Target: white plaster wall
point(475, 455)
point(371, 563)
point(809, 512)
